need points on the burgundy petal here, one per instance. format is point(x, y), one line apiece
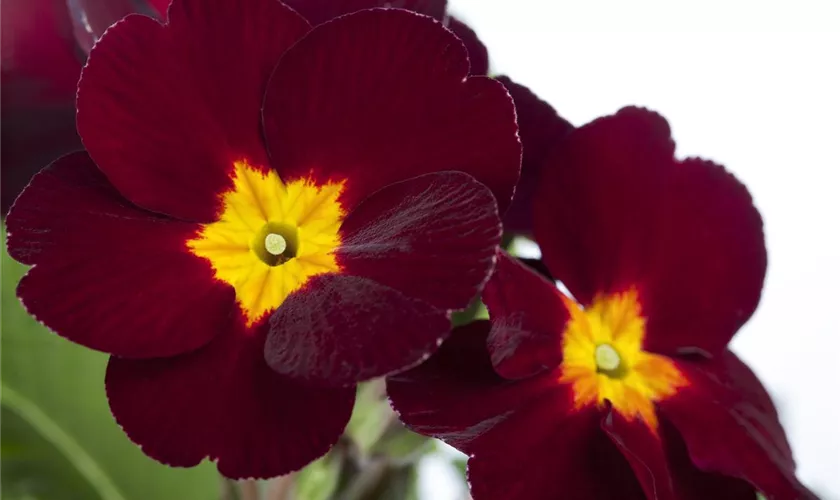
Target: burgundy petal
point(644, 452)
point(456, 395)
point(479, 59)
point(40, 68)
point(166, 110)
point(693, 484)
point(710, 261)
point(544, 453)
point(224, 403)
point(108, 275)
point(338, 330)
point(433, 237)
point(381, 96)
point(615, 210)
point(528, 316)
point(730, 426)
point(320, 11)
point(541, 130)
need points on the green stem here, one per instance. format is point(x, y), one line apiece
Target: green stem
point(68, 446)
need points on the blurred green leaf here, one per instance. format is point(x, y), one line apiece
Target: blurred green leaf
point(460, 465)
point(319, 480)
point(371, 415)
point(402, 446)
point(59, 441)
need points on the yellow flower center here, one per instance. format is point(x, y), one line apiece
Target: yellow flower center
point(272, 237)
point(604, 361)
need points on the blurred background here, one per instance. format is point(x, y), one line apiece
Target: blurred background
point(752, 85)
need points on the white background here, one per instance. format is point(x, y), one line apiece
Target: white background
point(753, 85)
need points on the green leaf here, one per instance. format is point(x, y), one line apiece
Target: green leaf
point(371, 415)
point(319, 480)
point(59, 439)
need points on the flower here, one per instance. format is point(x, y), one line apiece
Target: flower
point(626, 387)
point(319, 11)
point(42, 40)
point(265, 214)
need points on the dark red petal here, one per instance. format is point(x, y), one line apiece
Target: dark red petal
point(37, 43)
point(165, 111)
point(528, 316)
point(479, 59)
point(710, 262)
point(597, 201)
point(223, 402)
point(433, 237)
point(541, 129)
point(108, 275)
point(645, 453)
point(616, 210)
point(456, 395)
point(730, 426)
point(543, 453)
point(380, 96)
point(693, 484)
point(40, 69)
point(319, 11)
point(339, 330)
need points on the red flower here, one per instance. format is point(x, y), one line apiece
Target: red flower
point(42, 43)
point(249, 238)
point(628, 390)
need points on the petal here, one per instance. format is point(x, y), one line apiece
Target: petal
point(541, 129)
point(615, 210)
point(644, 452)
point(710, 270)
point(38, 46)
point(730, 426)
point(479, 59)
point(166, 110)
point(224, 403)
point(40, 69)
point(433, 237)
point(456, 395)
point(693, 484)
point(108, 275)
point(381, 96)
point(320, 11)
point(528, 316)
point(543, 453)
point(339, 330)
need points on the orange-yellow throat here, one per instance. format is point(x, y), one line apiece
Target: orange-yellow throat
point(272, 237)
point(604, 361)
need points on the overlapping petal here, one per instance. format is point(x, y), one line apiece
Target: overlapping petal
point(164, 111)
point(142, 295)
point(456, 395)
point(691, 483)
point(643, 449)
point(528, 317)
point(381, 96)
point(541, 130)
point(320, 11)
point(730, 426)
point(442, 226)
point(479, 58)
point(543, 454)
point(616, 210)
point(340, 330)
point(225, 403)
